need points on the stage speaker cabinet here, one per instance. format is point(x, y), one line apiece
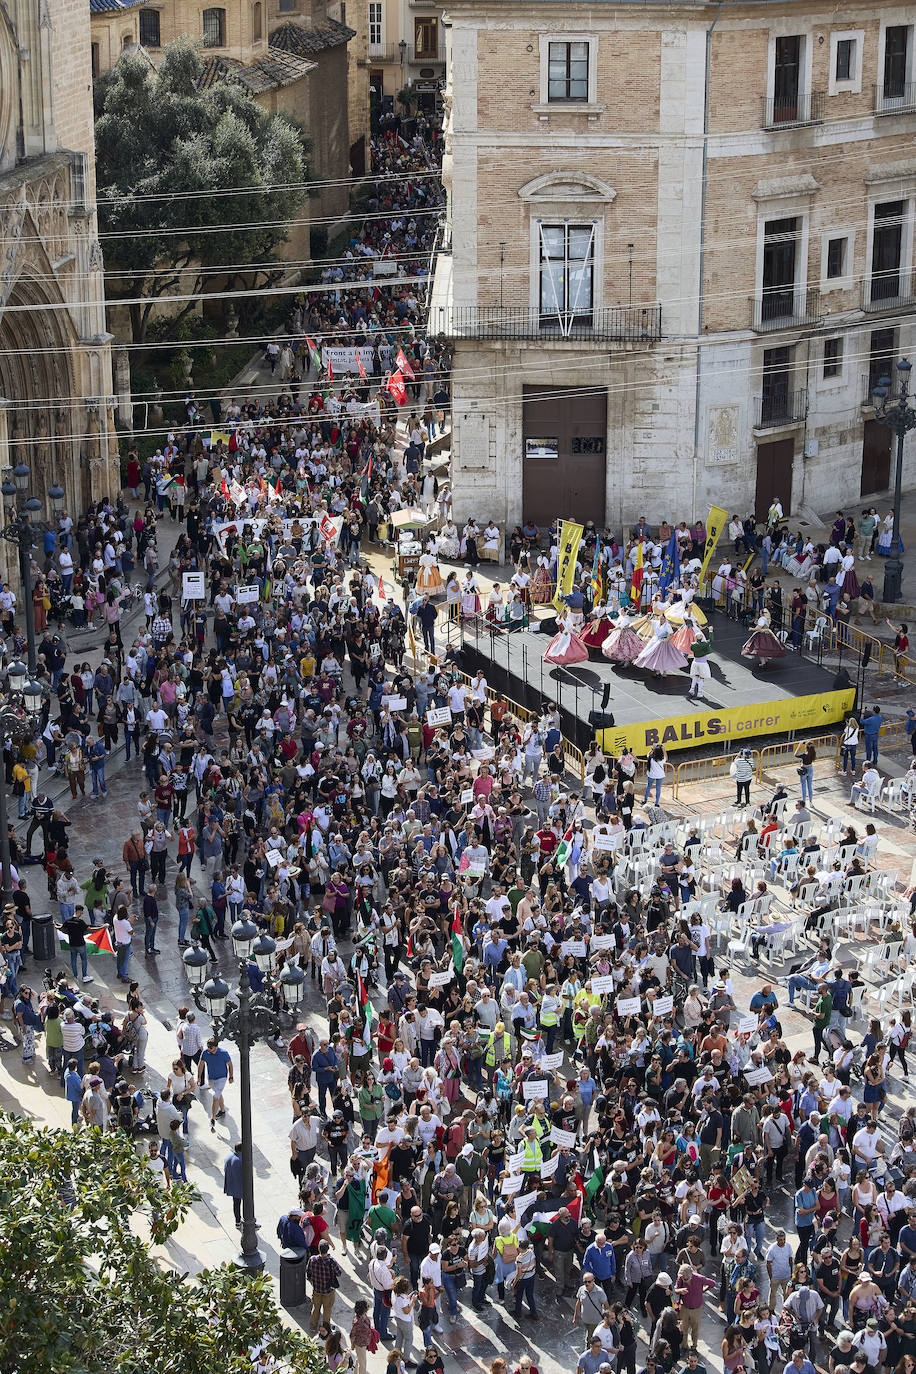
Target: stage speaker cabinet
point(842, 681)
point(601, 720)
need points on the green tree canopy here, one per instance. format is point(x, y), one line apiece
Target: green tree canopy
point(160, 136)
point(80, 1290)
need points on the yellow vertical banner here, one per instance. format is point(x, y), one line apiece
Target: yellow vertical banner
point(570, 535)
point(714, 527)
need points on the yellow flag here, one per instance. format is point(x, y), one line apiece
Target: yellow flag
point(714, 527)
point(570, 535)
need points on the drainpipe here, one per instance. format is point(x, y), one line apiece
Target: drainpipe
point(700, 299)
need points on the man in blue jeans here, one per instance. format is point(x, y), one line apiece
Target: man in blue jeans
point(871, 729)
point(382, 1279)
point(525, 1266)
point(75, 931)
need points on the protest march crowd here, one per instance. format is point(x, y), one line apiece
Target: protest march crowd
point(525, 1081)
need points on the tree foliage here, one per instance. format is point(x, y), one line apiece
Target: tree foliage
point(80, 1290)
point(159, 137)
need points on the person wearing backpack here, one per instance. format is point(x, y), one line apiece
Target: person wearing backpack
point(202, 927)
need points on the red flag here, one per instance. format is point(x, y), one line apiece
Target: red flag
point(359, 364)
point(404, 365)
point(233, 442)
point(224, 489)
point(330, 373)
point(381, 590)
point(279, 487)
point(396, 387)
point(101, 939)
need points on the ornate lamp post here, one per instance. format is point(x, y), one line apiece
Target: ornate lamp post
point(899, 416)
point(255, 1016)
point(23, 523)
point(17, 719)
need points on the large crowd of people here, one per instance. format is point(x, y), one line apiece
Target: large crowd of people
point(521, 1076)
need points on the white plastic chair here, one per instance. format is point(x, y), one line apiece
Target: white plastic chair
point(816, 633)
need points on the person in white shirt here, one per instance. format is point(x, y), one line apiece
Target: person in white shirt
point(431, 1266)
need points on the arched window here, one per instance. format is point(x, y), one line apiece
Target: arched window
point(214, 28)
point(256, 23)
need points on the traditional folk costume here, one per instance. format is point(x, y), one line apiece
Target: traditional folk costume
point(429, 579)
point(598, 628)
point(700, 673)
point(542, 583)
point(566, 647)
point(763, 644)
point(623, 644)
point(660, 655)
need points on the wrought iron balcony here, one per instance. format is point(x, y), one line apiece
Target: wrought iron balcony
point(896, 99)
point(793, 111)
point(784, 307)
point(617, 324)
point(889, 290)
point(780, 406)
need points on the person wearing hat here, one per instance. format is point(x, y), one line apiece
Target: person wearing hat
point(871, 1343)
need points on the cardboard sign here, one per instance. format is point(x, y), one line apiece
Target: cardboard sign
point(523, 1203)
point(549, 1167)
point(663, 1006)
point(514, 1162)
point(439, 715)
point(511, 1185)
point(467, 797)
point(747, 1025)
point(626, 1006)
point(533, 1089)
point(192, 586)
point(551, 1061)
point(599, 942)
point(603, 983)
point(245, 595)
point(395, 703)
point(565, 1139)
point(600, 841)
point(754, 1077)
point(576, 947)
point(273, 857)
point(439, 980)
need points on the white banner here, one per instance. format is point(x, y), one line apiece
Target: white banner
point(514, 1162)
point(551, 1061)
point(566, 1139)
point(441, 715)
point(395, 703)
point(533, 1089)
point(663, 1005)
point(747, 1025)
point(523, 1203)
point(600, 841)
point(626, 1006)
point(599, 942)
point(244, 595)
point(603, 983)
point(753, 1077)
point(439, 980)
point(575, 947)
point(344, 359)
point(512, 1183)
point(549, 1167)
point(467, 797)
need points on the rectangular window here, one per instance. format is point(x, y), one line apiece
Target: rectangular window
point(882, 350)
point(426, 39)
point(780, 252)
point(896, 54)
point(786, 80)
point(214, 24)
point(287, 6)
point(887, 247)
point(149, 29)
point(567, 269)
point(567, 72)
point(836, 258)
point(96, 64)
point(777, 371)
point(375, 24)
point(833, 357)
point(845, 69)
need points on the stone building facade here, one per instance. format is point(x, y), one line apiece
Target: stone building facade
point(680, 253)
point(55, 356)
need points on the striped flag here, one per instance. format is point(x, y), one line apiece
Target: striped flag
point(314, 355)
point(365, 1005)
point(564, 848)
point(457, 940)
point(636, 584)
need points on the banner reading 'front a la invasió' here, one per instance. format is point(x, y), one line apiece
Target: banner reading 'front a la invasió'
point(714, 527)
point(570, 535)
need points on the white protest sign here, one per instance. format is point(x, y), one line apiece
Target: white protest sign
point(600, 841)
point(565, 1139)
point(575, 947)
point(273, 857)
point(534, 1088)
point(747, 1025)
point(663, 1005)
point(549, 1167)
point(395, 703)
point(551, 1061)
point(753, 1077)
point(344, 359)
point(439, 980)
point(514, 1162)
point(523, 1203)
point(603, 983)
point(439, 715)
point(626, 1006)
point(192, 586)
point(511, 1185)
point(244, 595)
point(599, 942)
point(467, 796)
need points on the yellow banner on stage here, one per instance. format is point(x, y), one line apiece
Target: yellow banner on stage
point(736, 723)
point(570, 535)
point(714, 527)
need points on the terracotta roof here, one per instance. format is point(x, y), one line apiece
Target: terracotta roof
point(296, 38)
point(266, 73)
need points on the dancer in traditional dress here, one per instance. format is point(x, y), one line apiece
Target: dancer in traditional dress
point(521, 582)
point(683, 638)
point(886, 536)
point(453, 595)
point(470, 594)
point(447, 545)
point(492, 540)
point(429, 579)
point(700, 673)
point(598, 628)
point(542, 582)
point(623, 644)
point(846, 577)
point(566, 647)
point(763, 644)
point(660, 656)
point(495, 608)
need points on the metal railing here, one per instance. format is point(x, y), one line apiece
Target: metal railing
point(895, 99)
point(790, 111)
point(416, 54)
point(575, 759)
point(784, 307)
point(776, 408)
point(707, 769)
point(827, 746)
point(888, 290)
point(619, 323)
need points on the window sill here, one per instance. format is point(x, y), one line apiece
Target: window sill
point(568, 107)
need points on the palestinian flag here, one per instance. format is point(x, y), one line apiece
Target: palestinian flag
point(540, 1223)
point(594, 1185)
point(314, 355)
point(365, 1005)
point(97, 942)
point(457, 942)
point(564, 848)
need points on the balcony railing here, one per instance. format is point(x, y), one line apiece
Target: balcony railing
point(790, 111)
point(889, 290)
point(424, 55)
point(896, 99)
point(779, 406)
point(619, 324)
point(784, 307)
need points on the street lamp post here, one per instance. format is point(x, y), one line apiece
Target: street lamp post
point(254, 1017)
point(22, 524)
point(900, 417)
point(17, 716)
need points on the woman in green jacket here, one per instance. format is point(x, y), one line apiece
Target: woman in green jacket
point(370, 1105)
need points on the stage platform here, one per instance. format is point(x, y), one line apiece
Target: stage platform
point(740, 701)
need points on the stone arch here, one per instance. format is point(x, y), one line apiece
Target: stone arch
point(9, 90)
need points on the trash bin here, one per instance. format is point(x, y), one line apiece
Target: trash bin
point(292, 1277)
point(44, 939)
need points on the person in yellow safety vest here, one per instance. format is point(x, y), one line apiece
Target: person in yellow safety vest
point(499, 1046)
point(531, 1146)
point(540, 1120)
